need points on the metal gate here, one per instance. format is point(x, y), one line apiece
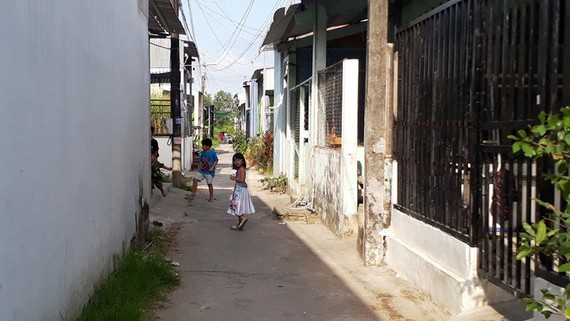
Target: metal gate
point(522, 73)
point(471, 73)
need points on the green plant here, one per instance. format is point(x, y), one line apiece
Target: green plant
point(185, 186)
point(261, 150)
point(551, 235)
point(240, 142)
point(275, 184)
point(139, 280)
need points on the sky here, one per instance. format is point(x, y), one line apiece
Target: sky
point(228, 35)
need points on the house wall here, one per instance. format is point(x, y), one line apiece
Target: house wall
point(164, 150)
point(415, 252)
point(327, 186)
point(75, 127)
point(327, 199)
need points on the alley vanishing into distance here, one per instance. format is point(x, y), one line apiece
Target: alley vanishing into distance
point(272, 271)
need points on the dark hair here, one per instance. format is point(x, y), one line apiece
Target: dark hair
point(238, 156)
point(207, 142)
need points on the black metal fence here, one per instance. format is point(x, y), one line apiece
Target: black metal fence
point(471, 72)
point(159, 111)
point(524, 71)
point(433, 127)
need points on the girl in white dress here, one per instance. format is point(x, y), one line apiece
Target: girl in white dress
point(241, 204)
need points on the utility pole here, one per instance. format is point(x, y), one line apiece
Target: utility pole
point(175, 112)
point(377, 132)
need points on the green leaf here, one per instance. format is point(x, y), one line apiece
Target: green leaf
point(565, 251)
point(548, 295)
point(528, 229)
point(522, 133)
point(538, 130)
point(552, 120)
point(564, 267)
point(523, 253)
point(528, 150)
point(562, 167)
point(567, 139)
point(546, 313)
point(542, 117)
point(566, 120)
point(513, 137)
point(560, 302)
point(517, 146)
point(540, 232)
point(526, 236)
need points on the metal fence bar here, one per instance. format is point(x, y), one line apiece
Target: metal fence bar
point(433, 128)
point(470, 74)
point(330, 105)
point(159, 111)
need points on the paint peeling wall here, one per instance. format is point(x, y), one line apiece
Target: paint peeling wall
point(328, 202)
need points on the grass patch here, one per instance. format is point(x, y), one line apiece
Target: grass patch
point(133, 289)
point(185, 186)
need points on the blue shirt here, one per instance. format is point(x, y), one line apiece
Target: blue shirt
point(208, 158)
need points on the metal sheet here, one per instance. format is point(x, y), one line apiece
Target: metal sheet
point(162, 18)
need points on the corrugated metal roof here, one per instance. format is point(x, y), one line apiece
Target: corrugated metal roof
point(190, 49)
point(298, 20)
point(162, 19)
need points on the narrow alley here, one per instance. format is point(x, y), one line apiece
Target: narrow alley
point(272, 271)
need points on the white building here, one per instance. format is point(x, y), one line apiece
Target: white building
point(76, 165)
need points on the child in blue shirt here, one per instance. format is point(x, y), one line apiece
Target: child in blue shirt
point(207, 168)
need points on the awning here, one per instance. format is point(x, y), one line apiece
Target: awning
point(299, 19)
point(281, 25)
point(162, 19)
point(160, 78)
point(190, 49)
point(257, 74)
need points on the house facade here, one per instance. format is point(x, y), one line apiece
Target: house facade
point(161, 103)
point(258, 108)
point(445, 83)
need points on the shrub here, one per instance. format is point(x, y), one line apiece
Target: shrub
point(275, 184)
point(261, 150)
point(549, 236)
point(240, 142)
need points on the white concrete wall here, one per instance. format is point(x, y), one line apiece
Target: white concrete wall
point(75, 148)
point(328, 196)
point(326, 163)
point(164, 150)
point(279, 121)
point(438, 264)
point(435, 262)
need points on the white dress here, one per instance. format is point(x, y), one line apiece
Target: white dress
point(240, 201)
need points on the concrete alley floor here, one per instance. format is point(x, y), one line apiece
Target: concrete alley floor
point(272, 271)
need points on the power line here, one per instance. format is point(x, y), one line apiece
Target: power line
point(192, 22)
point(236, 23)
point(234, 35)
point(240, 26)
point(253, 40)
